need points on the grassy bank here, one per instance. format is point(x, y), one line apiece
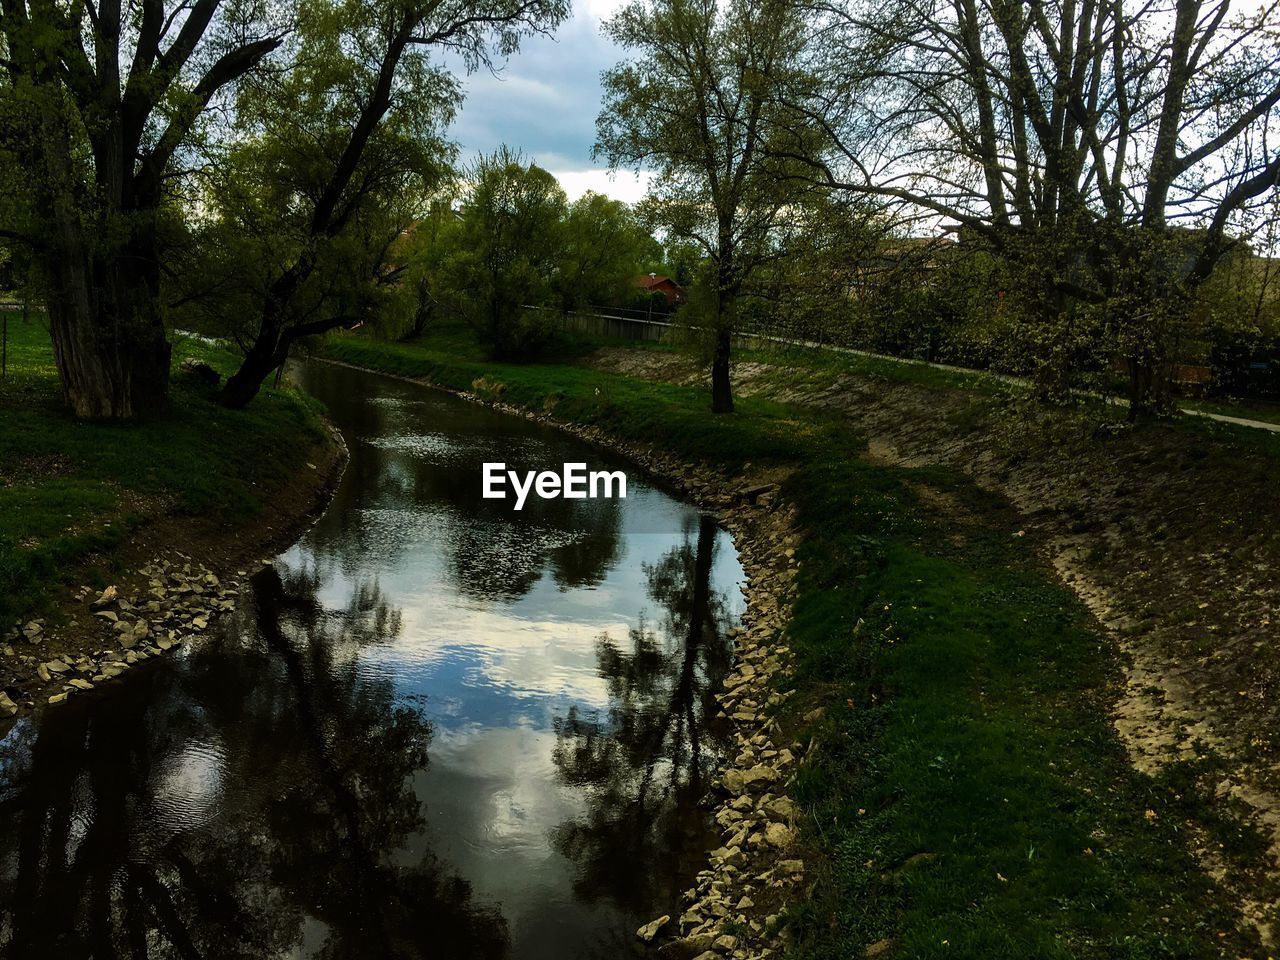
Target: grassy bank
point(969, 796)
point(73, 492)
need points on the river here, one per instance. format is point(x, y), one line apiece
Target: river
point(434, 727)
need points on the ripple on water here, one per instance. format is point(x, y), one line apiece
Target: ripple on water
point(188, 787)
point(450, 448)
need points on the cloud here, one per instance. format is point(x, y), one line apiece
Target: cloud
point(544, 102)
point(625, 185)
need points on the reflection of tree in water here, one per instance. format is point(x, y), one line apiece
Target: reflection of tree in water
point(645, 767)
point(394, 496)
point(241, 805)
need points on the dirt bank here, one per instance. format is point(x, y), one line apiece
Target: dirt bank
point(170, 581)
point(1170, 533)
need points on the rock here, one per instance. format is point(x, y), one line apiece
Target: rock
point(650, 929)
point(201, 372)
point(56, 666)
point(781, 809)
point(878, 949)
point(81, 684)
point(687, 948)
point(742, 781)
point(109, 615)
point(726, 943)
point(727, 818)
point(759, 775)
point(59, 697)
point(43, 672)
point(7, 705)
point(777, 835)
point(106, 597)
point(790, 867)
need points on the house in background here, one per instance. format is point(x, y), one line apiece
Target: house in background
point(654, 283)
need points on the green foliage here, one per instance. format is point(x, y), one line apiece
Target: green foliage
point(263, 194)
point(70, 489)
point(699, 103)
point(604, 247)
point(509, 245)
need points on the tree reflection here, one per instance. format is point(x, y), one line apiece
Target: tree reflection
point(414, 479)
point(246, 803)
point(645, 766)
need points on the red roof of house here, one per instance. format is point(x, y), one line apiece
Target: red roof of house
point(655, 281)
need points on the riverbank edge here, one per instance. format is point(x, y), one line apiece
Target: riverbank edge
point(902, 878)
point(93, 648)
point(735, 905)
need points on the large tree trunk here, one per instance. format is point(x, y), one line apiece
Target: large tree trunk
point(109, 340)
point(102, 278)
point(268, 352)
point(727, 288)
point(721, 390)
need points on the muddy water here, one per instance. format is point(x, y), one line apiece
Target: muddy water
point(436, 728)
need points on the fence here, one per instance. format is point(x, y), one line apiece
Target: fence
point(612, 325)
point(638, 326)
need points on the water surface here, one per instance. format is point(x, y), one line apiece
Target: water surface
point(435, 728)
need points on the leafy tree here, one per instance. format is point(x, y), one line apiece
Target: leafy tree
point(510, 245)
point(96, 101)
point(353, 135)
point(426, 251)
point(699, 102)
point(1108, 150)
point(603, 247)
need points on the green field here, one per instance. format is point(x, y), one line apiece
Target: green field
point(970, 797)
point(71, 489)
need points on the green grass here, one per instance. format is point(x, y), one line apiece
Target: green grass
point(69, 488)
point(969, 797)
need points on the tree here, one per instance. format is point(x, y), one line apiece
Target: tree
point(430, 243)
point(604, 246)
point(358, 126)
point(699, 102)
point(1109, 149)
point(509, 247)
point(96, 102)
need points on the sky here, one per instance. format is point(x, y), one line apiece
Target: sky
point(544, 102)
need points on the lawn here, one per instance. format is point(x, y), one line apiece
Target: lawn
point(969, 797)
point(73, 490)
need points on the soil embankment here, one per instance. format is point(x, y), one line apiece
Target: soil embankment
point(1170, 533)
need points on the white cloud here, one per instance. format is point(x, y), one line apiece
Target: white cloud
point(544, 102)
point(601, 10)
point(625, 185)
